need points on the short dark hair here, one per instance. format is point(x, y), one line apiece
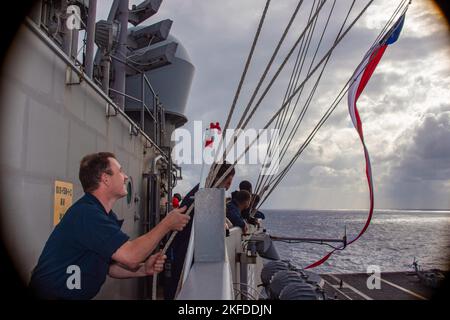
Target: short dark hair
point(242, 196)
point(245, 185)
point(222, 169)
point(91, 168)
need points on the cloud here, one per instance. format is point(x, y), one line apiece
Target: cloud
point(404, 108)
point(427, 153)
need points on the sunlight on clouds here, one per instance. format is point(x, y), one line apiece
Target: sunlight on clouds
point(376, 16)
point(411, 81)
point(422, 18)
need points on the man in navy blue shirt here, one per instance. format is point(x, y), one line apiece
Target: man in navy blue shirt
point(88, 244)
point(239, 202)
point(247, 185)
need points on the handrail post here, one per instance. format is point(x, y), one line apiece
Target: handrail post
point(120, 73)
point(90, 37)
point(142, 101)
point(169, 178)
point(155, 114)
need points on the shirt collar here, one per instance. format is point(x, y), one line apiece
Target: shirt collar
point(111, 214)
point(94, 199)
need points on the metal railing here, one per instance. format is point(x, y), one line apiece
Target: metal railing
point(60, 53)
point(157, 114)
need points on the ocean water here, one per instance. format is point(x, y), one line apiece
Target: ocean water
point(391, 242)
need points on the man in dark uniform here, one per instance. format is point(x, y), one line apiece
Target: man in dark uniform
point(178, 249)
point(239, 202)
point(247, 186)
point(88, 244)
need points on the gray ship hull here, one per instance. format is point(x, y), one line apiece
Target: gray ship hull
point(47, 127)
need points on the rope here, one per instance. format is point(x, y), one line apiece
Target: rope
point(260, 188)
point(306, 106)
point(327, 114)
point(247, 64)
point(280, 69)
point(295, 75)
point(240, 126)
point(214, 173)
point(298, 88)
point(211, 175)
point(225, 174)
point(304, 54)
point(269, 64)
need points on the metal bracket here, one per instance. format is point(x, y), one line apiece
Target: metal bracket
point(69, 75)
point(133, 130)
point(245, 259)
point(108, 113)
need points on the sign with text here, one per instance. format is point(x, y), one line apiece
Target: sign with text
point(63, 200)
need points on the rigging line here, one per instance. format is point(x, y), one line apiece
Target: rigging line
point(311, 242)
point(388, 24)
point(239, 88)
point(312, 134)
point(379, 48)
point(297, 123)
point(296, 63)
point(282, 174)
point(247, 64)
point(296, 66)
point(293, 79)
point(248, 286)
point(280, 69)
point(263, 200)
point(272, 58)
point(307, 78)
point(297, 70)
point(328, 53)
point(310, 37)
point(277, 124)
point(304, 52)
point(327, 114)
point(263, 181)
point(308, 102)
point(269, 64)
point(235, 136)
point(227, 172)
point(245, 294)
point(231, 167)
point(224, 175)
point(306, 106)
point(310, 66)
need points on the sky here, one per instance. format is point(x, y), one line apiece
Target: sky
point(405, 108)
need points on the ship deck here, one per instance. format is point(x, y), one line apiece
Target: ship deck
point(393, 286)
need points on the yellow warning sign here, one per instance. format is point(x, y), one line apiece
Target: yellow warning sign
point(63, 200)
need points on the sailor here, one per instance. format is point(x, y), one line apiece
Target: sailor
point(239, 202)
point(88, 243)
point(247, 185)
point(178, 249)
